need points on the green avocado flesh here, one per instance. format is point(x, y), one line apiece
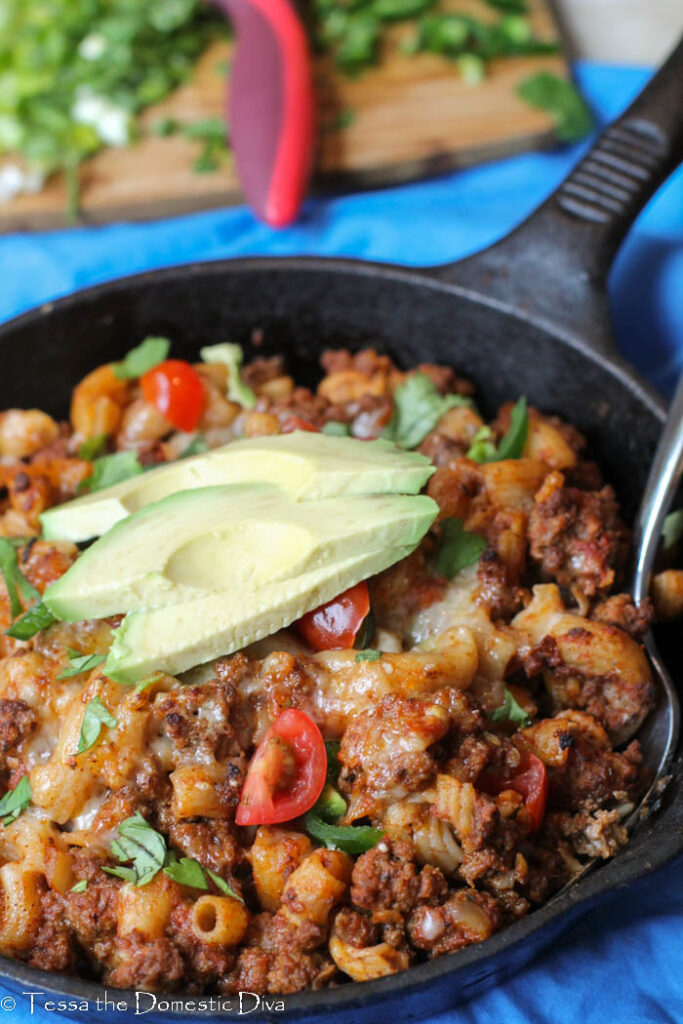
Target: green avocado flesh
point(307, 466)
point(246, 539)
point(178, 637)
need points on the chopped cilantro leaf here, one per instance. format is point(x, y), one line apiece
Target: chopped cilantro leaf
point(510, 711)
point(111, 469)
point(146, 356)
point(458, 548)
point(418, 407)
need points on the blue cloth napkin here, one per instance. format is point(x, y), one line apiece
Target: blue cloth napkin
point(622, 961)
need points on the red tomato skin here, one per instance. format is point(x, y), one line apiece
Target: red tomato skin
point(530, 781)
point(176, 390)
point(335, 625)
point(262, 804)
point(293, 423)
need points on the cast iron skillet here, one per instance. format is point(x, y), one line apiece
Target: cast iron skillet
point(526, 316)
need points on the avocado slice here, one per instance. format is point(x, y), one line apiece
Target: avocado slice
point(305, 465)
point(178, 637)
point(238, 537)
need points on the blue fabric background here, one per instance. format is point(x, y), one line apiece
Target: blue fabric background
point(621, 962)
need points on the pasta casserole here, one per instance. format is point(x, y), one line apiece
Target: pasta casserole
point(401, 772)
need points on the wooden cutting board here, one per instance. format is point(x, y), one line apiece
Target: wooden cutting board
point(411, 116)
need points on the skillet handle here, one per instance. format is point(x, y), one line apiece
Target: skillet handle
point(553, 267)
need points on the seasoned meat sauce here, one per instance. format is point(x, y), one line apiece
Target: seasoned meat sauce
point(537, 625)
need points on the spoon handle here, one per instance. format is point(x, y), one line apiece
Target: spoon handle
point(660, 490)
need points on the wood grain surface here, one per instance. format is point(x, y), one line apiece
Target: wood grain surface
point(411, 116)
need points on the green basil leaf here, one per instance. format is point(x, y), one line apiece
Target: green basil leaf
point(80, 886)
point(186, 871)
point(510, 711)
point(221, 884)
point(109, 470)
point(458, 548)
point(80, 663)
point(31, 622)
point(233, 357)
point(562, 101)
point(92, 447)
point(141, 844)
point(369, 655)
point(15, 801)
point(349, 838)
point(146, 356)
point(336, 429)
point(418, 407)
point(96, 715)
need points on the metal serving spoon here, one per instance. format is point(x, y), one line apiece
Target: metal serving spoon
point(663, 725)
point(659, 731)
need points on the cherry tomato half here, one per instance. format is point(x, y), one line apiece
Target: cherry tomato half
point(293, 423)
point(176, 390)
point(530, 781)
point(287, 772)
point(335, 626)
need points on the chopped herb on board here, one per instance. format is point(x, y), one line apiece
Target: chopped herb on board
point(77, 74)
point(562, 101)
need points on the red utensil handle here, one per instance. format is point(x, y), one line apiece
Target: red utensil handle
point(271, 108)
